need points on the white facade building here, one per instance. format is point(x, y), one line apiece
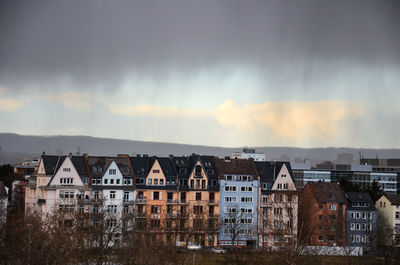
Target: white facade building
point(249, 153)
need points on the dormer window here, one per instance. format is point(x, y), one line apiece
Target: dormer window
point(198, 171)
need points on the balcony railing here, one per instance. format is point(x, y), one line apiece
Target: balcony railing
point(141, 200)
point(170, 201)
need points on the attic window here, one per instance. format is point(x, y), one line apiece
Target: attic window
point(331, 196)
point(94, 169)
point(67, 169)
point(283, 175)
point(112, 171)
point(198, 170)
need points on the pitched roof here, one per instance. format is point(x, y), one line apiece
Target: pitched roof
point(167, 166)
point(53, 162)
point(393, 198)
point(359, 197)
point(99, 164)
point(265, 170)
point(234, 166)
point(141, 165)
point(327, 192)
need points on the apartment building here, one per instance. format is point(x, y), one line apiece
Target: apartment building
point(239, 183)
point(388, 206)
point(361, 221)
point(322, 214)
point(278, 205)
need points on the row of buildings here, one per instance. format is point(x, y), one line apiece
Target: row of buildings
point(201, 199)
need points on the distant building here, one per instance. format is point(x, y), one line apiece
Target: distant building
point(249, 153)
point(27, 168)
point(361, 221)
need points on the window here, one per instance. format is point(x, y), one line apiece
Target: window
point(230, 188)
point(198, 209)
point(246, 199)
point(111, 181)
point(66, 195)
point(126, 209)
point(278, 211)
point(246, 210)
point(161, 182)
point(246, 189)
point(111, 208)
point(156, 171)
point(230, 199)
point(246, 221)
point(149, 181)
point(198, 196)
point(352, 226)
point(66, 169)
point(112, 172)
point(126, 195)
point(264, 186)
point(155, 209)
point(397, 215)
point(156, 195)
point(105, 181)
point(276, 238)
point(155, 222)
point(332, 207)
point(117, 181)
point(155, 181)
point(66, 181)
point(230, 210)
point(112, 194)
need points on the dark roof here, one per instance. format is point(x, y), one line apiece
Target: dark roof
point(327, 192)
point(235, 166)
point(393, 198)
point(359, 197)
point(52, 163)
point(98, 165)
point(3, 191)
point(142, 165)
point(167, 166)
point(265, 170)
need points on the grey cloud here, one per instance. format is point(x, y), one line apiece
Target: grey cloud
point(98, 43)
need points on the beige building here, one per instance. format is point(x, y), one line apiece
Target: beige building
point(388, 207)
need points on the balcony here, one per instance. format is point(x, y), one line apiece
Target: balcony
point(214, 202)
point(84, 201)
point(170, 201)
point(184, 201)
point(127, 202)
point(171, 215)
point(141, 201)
point(140, 215)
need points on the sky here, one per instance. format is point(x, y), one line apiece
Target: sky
point(313, 73)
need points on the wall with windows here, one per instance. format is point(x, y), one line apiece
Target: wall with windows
point(361, 227)
point(238, 203)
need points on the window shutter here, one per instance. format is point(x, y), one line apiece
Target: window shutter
point(160, 195)
point(152, 195)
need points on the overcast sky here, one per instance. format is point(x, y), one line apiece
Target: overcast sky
point(226, 73)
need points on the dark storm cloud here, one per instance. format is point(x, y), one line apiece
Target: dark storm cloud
point(97, 43)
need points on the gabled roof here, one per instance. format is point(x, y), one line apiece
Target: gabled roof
point(208, 163)
point(141, 165)
point(53, 162)
point(393, 198)
point(234, 166)
point(359, 197)
point(327, 192)
point(98, 165)
point(167, 166)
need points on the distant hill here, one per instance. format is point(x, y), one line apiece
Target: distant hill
point(15, 147)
